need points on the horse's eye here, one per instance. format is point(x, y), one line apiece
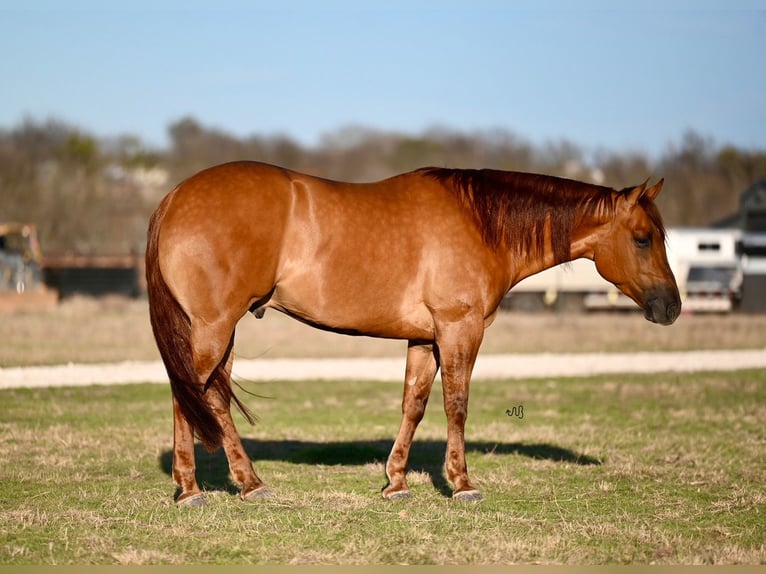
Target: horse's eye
point(643, 242)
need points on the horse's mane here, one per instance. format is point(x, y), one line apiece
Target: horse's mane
point(512, 208)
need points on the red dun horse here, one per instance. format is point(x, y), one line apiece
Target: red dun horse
point(425, 256)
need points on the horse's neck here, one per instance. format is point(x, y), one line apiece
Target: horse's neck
point(583, 238)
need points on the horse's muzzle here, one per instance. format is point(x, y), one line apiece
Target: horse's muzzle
point(663, 306)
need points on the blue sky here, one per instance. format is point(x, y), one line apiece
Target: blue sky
point(607, 76)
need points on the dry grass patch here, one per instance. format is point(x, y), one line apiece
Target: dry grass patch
point(116, 329)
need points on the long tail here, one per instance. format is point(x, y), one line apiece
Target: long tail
point(172, 332)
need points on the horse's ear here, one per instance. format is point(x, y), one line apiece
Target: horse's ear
point(654, 191)
point(634, 194)
point(640, 191)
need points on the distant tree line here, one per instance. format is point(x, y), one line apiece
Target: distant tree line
point(94, 196)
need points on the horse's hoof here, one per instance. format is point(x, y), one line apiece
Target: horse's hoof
point(193, 501)
point(468, 496)
point(257, 494)
point(398, 495)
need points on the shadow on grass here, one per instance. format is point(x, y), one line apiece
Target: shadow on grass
point(425, 456)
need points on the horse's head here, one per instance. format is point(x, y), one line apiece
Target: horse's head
point(630, 252)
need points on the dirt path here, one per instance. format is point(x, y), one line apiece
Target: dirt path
point(487, 366)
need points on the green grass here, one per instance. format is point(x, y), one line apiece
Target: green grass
point(629, 469)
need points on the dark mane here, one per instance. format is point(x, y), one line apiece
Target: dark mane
point(512, 208)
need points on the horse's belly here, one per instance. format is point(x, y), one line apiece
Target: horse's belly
point(360, 313)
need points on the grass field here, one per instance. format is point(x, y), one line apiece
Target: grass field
point(633, 469)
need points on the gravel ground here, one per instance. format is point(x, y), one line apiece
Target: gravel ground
point(487, 366)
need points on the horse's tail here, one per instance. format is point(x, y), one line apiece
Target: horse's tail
point(172, 332)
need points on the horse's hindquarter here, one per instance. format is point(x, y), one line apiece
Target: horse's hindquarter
point(376, 259)
point(221, 237)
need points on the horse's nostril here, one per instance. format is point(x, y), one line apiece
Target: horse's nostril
point(674, 309)
point(662, 310)
point(671, 312)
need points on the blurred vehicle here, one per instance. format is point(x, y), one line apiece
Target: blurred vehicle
point(21, 277)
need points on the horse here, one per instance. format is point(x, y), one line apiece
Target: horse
point(425, 256)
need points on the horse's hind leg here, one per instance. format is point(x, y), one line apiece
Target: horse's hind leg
point(242, 471)
point(211, 345)
point(207, 353)
point(183, 460)
point(421, 369)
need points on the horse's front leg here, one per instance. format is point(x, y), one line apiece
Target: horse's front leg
point(422, 364)
point(458, 343)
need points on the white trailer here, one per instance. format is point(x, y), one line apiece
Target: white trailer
point(704, 261)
